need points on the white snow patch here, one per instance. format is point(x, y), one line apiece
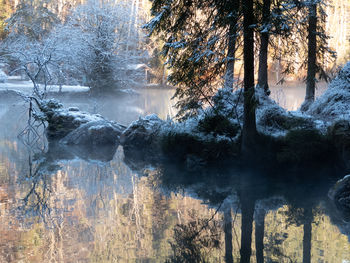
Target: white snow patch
point(26, 87)
point(3, 76)
point(334, 104)
point(68, 88)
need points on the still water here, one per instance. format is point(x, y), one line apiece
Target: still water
point(59, 205)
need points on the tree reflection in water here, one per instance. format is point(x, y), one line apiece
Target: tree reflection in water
point(36, 201)
point(256, 194)
point(195, 241)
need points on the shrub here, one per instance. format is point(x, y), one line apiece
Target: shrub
point(218, 125)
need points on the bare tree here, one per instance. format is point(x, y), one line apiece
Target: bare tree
point(98, 38)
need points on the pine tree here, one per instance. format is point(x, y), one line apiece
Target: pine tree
point(6, 10)
point(317, 48)
point(200, 43)
point(31, 19)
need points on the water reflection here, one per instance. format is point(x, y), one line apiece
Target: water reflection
point(79, 205)
point(166, 215)
point(297, 198)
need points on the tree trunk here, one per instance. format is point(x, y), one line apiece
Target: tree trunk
point(232, 37)
point(230, 65)
point(228, 235)
point(311, 63)
point(307, 235)
point(259, 235)
point(249, 124)
point(247, 228)
point(264, 38)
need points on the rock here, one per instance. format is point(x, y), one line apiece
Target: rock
point(95, 133)
point(74, 127)
point(62, 121)
point(340, 195)
point(339, 131)
point(73, 109)
point(143, 135)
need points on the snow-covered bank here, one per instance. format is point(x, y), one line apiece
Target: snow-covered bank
point(334, 104)
point(215, 133)
point(321, 134)
point(26, 87)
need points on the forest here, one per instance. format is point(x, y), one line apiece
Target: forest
point(175, 131)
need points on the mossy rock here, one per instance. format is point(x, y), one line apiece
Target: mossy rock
point(340, 194)
point(218, 125)
point(339, 133)
point(305, 146)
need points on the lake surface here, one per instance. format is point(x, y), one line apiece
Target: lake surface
point(71, 206)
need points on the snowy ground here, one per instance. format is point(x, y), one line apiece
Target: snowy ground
point(26, 87)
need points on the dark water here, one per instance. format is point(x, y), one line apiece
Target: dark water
point(64, 205)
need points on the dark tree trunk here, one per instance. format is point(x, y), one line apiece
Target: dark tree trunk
point(264, 38)
point(247, 228)
point(259, 234)
point(307, 235)
point(228, 235)
point(232, 37)
point(230, 65)
point(249, 125)
point(311, 63)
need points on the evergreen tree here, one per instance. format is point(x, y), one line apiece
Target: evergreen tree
point(200, 42)
point(6, 9)
point(318, 51)
point(31, 19)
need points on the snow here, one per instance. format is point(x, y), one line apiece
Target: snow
point(137, 66)
point(68, 88)
point(3, 77)
point(334, 104)
point(151, 25)
point(271, 118)
point(79, 116)
point(26, 87)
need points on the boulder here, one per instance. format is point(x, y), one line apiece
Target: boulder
point(101, 132)
point(74, 127)
point(143, 135)
point(340, 195)
point(339, 132)
point(62, 121)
